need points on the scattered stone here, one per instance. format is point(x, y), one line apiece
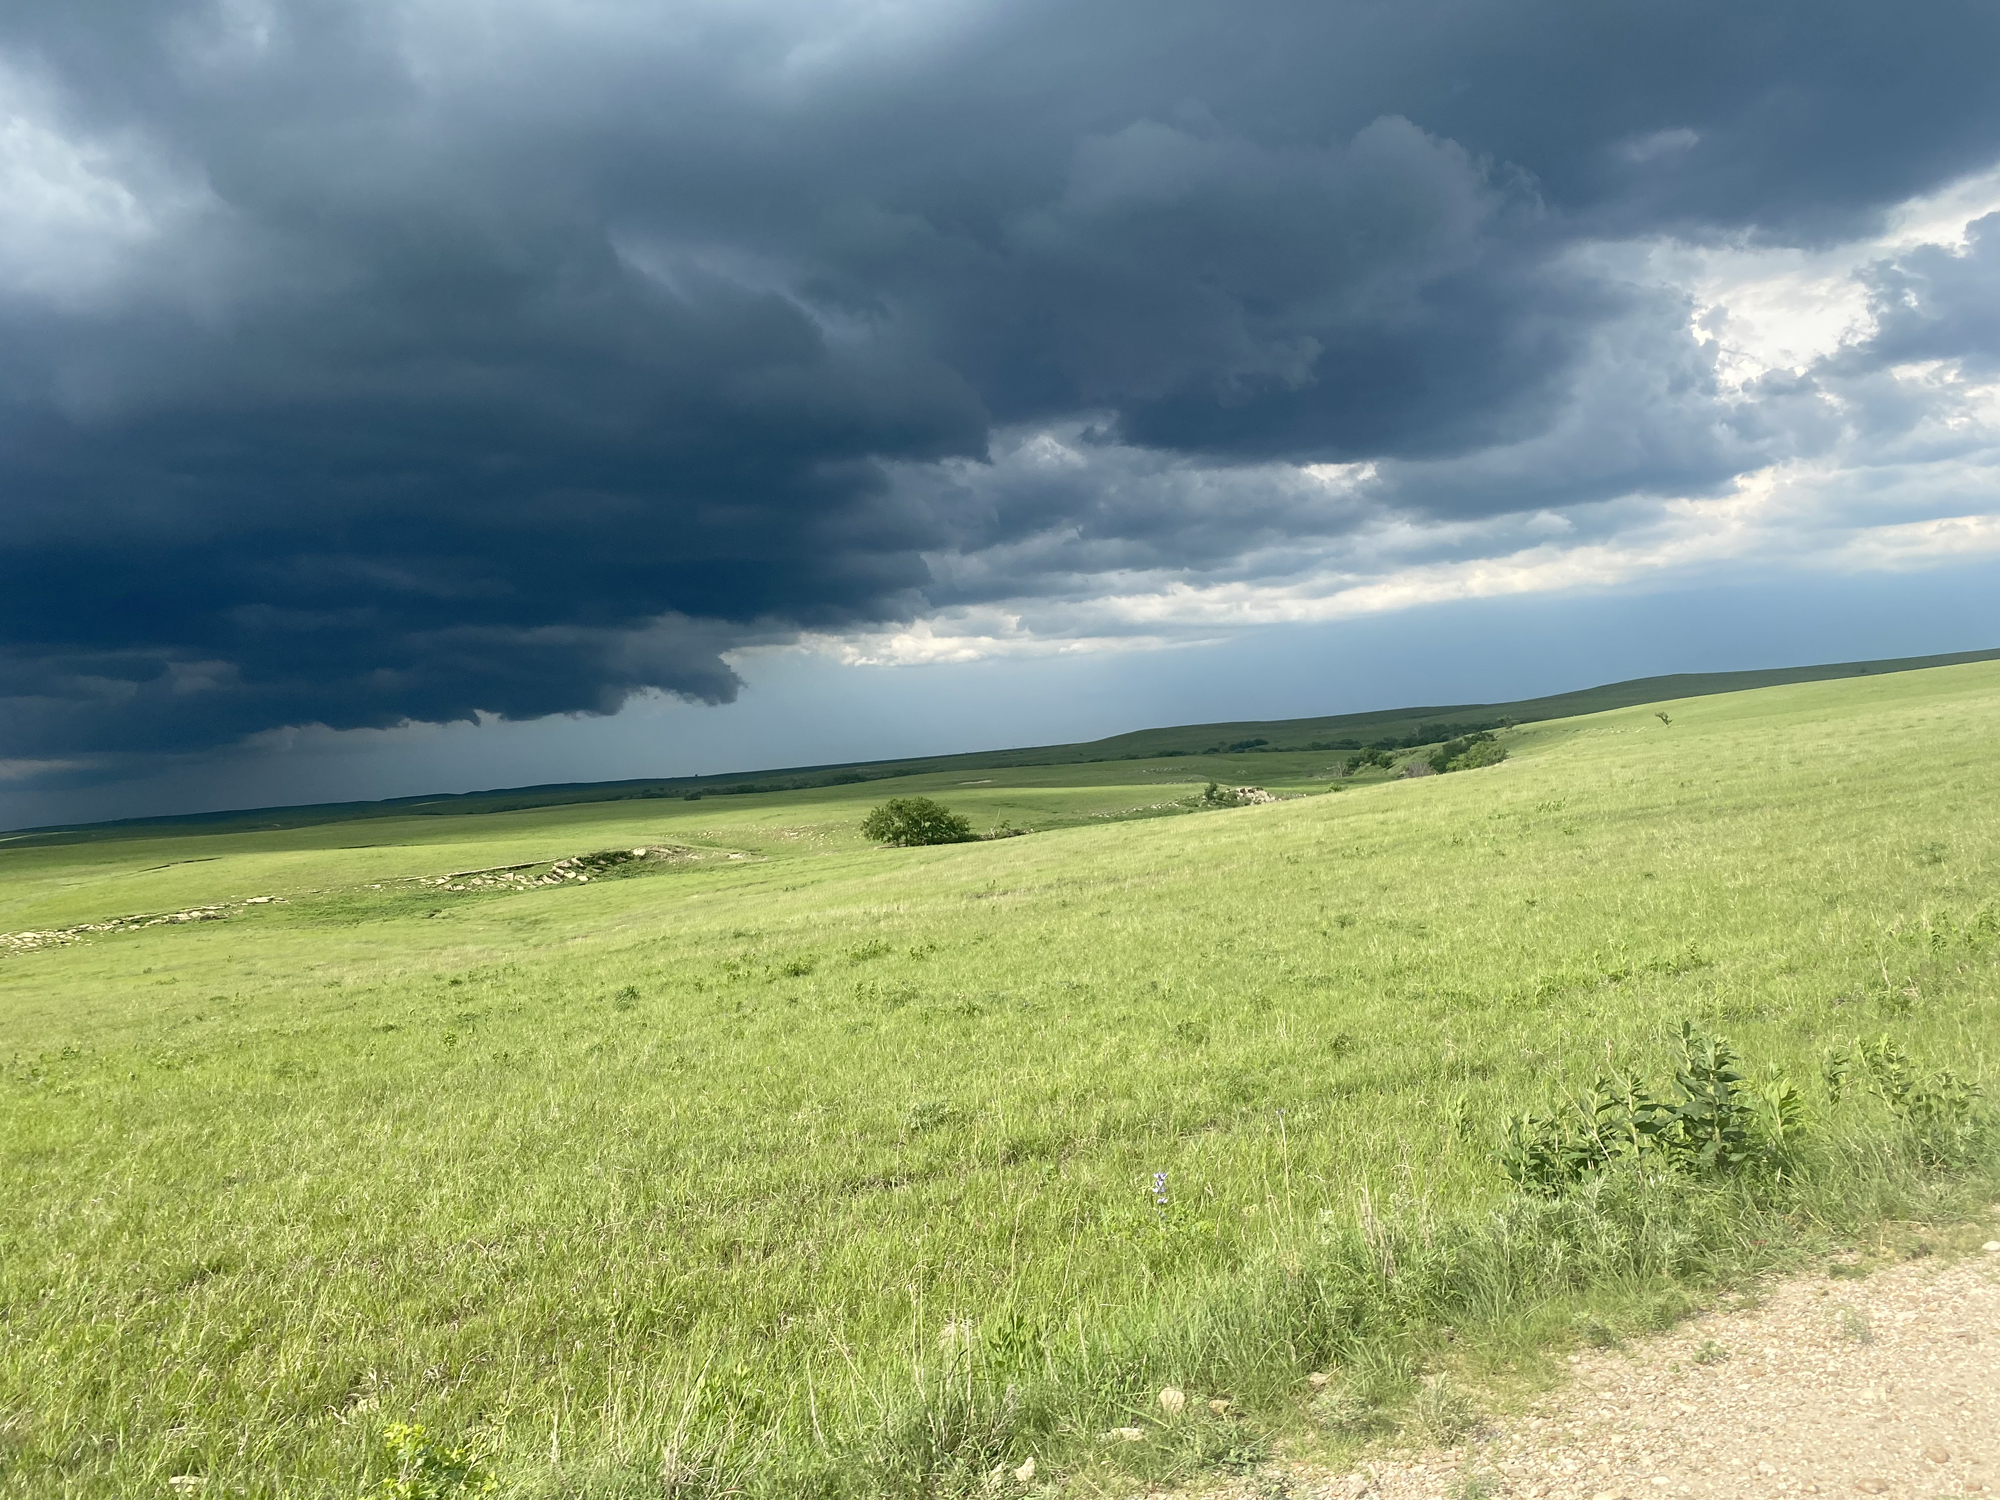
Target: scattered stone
point(1871, 1486)
point(1937, 1453)
point(1027, 1470)
point(1218, 1406)
point(1173, 1402)
point(1125, 1435)
point(576, 869)
point(62, 937)
point(1319, 1380)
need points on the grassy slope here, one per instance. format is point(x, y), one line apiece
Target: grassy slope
point(1207, 740)
point(535, 1166)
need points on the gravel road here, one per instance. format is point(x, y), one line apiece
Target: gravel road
point(1883, 1385)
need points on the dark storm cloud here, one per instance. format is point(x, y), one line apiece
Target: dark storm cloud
point(439, 360)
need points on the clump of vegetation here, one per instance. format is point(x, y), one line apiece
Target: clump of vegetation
point(1938, 1109)
point(427, 1470)
point(1713, 1121)
point(908, 822)
point(1717, 1121)
point(1443, 1413)
point(1465, 748)
point(1468, 753)
point(1364, 760)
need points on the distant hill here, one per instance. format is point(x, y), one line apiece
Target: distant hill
point(1387, 727)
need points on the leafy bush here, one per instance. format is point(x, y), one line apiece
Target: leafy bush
point(910, 821)
point(1367, 759)
point(1715, 1122)
point(1468, 753)
point(1718, 1122)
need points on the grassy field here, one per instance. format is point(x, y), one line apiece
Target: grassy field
point(792, 1166)
point(1337, 732)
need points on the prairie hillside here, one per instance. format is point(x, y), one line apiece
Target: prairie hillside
point(766, 1161)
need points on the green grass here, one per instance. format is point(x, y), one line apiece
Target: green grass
point(830, 1170)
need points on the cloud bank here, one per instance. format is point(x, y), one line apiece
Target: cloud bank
point(366, 362)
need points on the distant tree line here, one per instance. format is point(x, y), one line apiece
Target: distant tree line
point(1422, 734)
point(781, 784)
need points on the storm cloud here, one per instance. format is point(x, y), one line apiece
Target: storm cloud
point(363, 362)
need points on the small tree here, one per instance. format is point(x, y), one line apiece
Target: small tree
point(910, 821)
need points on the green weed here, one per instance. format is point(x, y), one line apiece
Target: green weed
point(1712, 1122)
point(425, 1469)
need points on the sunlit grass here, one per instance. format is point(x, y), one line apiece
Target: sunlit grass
point(712, 1176)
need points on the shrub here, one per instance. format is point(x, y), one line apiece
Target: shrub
point(1468, 753)
point(1716, 1122)
point(910, 821)
point(1484, 751)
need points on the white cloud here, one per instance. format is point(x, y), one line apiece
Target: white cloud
point(80, 209)
point(28, 770)
point(1785, 517)
point(1890, 468)
point(1784, 308)
point(963, 635)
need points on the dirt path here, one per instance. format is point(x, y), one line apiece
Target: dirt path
point(1887, 1385)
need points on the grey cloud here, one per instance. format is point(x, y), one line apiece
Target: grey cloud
point(1937, 303)
point(515, 365)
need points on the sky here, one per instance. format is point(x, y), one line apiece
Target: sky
point(413, 395)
